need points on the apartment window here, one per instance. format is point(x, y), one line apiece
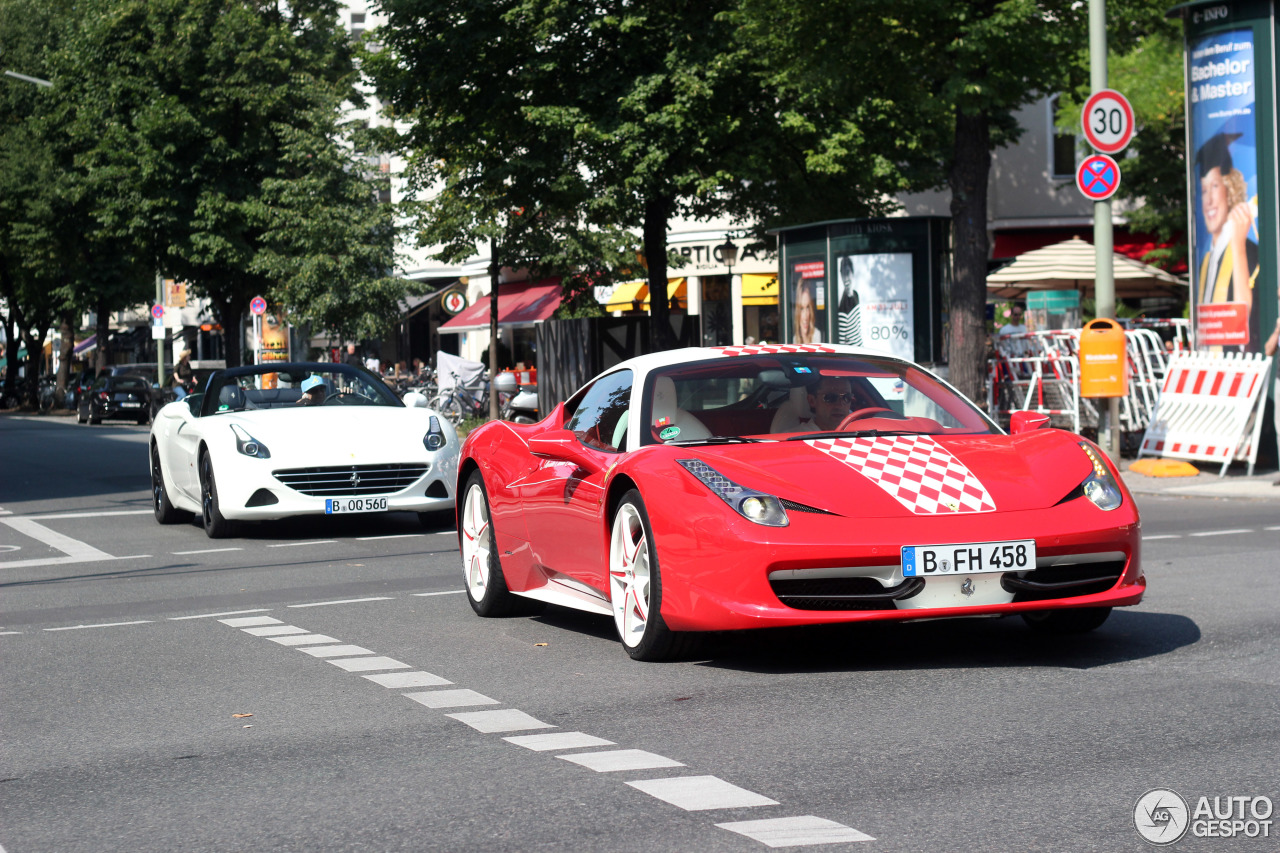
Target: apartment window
point(1062, 151)
point(357, 24)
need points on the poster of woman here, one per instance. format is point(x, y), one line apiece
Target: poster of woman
point(1226, 236)
point(808, 289)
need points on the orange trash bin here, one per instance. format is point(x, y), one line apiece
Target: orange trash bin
point(1104, 365)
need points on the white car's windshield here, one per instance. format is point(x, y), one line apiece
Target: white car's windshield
point(290, 386)
point(797, 395)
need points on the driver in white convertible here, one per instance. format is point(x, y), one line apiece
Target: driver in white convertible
point(313, 391)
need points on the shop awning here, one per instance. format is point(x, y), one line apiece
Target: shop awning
point(85, 345)
point(625, 294)
point(760, 289)
point(519, 304)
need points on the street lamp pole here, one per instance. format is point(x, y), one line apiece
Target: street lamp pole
point(26, 79)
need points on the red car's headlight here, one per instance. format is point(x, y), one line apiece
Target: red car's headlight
point(752, 505)
point(1100, 486)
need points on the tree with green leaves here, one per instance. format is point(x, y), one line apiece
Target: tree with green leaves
point(1148, 69)
point(214, 148)
point(601, 117)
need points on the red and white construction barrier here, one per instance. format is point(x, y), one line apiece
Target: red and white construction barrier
point(1210, 408)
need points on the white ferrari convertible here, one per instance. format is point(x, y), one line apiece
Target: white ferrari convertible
point(283, 439)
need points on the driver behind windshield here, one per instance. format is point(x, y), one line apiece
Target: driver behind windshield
point(830, 400)
point(313, 390)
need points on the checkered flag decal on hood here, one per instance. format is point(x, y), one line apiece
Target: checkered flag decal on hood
point(915, 470)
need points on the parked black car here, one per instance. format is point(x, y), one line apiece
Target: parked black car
point(124, 397)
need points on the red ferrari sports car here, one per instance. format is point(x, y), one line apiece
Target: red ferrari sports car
point(747, 487)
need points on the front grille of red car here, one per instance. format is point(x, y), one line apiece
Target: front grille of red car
point(351, 480)
point(1054, 582)
point(842, 593)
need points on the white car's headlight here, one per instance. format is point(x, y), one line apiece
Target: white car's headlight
point(435, 437)
point(1100, 486)
point(752, 505)
point(248, 445)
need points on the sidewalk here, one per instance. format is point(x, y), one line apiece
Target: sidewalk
point(1236, 484)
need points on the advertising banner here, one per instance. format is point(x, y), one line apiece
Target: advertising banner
point(1222, 97)
point(808, 286)
point(876, 303)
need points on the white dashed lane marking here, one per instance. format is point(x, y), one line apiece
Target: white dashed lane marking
point(1221, 532)
point(303, 640)
point(204, 551)
point(700, 793)
point(367, 664)
point(796, 831)
point(691, 793)
point(102, 625)
point(557, 740)
point(300, 544)
point(274, 630)
point(446, 592)
point(339, 651)
point(408, 679)
point(344, 601)
point(620, 759)
point(250, 621)
point(491, 722)
point(215, 615)
point(460, 698)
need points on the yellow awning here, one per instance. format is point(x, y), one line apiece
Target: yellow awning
point(625, 294)
point(760, 289)
point(677, 288)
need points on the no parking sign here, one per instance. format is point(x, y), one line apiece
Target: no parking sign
point(1098, 177)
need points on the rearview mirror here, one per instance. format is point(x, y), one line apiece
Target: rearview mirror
point(1023, 421)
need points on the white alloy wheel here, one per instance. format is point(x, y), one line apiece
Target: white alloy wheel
point(629, 575)
point(477, 542)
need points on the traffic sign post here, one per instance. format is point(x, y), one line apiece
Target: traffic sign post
point(1098, 177)
point(258, 307)
point(1107, 120)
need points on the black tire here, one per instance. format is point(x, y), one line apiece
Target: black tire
point(93, 421)
point(80, 418)
point(215, 525)
point(658, 642)
point(1076, 620)
point(166, 513)
point(490, 598)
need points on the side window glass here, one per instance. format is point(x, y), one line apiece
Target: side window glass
point(600, 420)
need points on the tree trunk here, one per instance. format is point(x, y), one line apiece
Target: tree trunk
point(230, 314)
point(968, 180)
point(35, 353)
point(102, 331)
point(656, 212)
point(11, 355)
point(68, 331)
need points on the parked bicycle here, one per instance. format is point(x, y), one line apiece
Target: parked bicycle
point(459, 402)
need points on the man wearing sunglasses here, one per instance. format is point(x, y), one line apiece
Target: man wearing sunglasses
point(830, 400)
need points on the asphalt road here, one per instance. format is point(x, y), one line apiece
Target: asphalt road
point(139, 713)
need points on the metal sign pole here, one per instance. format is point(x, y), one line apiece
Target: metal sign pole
point(1104, 286)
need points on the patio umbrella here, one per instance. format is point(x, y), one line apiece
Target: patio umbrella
point(1069, 265)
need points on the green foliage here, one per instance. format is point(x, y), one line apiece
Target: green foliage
point(1148, 70)
point(210, 145)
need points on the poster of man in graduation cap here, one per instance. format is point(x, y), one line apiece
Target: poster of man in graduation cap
point(1226, 193)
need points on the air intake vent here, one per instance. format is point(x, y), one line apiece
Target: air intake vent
point(795, 507)
point(351, 480)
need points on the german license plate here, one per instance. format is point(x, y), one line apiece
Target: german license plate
point(336, 505)
point(970, 558)
point(130, 405)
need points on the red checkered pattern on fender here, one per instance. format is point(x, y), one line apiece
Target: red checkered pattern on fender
point(915, 470)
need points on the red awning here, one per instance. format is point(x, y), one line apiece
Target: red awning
point(1013, 242)
point(520, 303)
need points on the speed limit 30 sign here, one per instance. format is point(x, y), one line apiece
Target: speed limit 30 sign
point(1107, 120)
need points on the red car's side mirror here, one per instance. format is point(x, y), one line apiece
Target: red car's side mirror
point(560, 445)
point(1023, 421)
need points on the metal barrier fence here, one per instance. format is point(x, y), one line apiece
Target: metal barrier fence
point(1040, 372)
